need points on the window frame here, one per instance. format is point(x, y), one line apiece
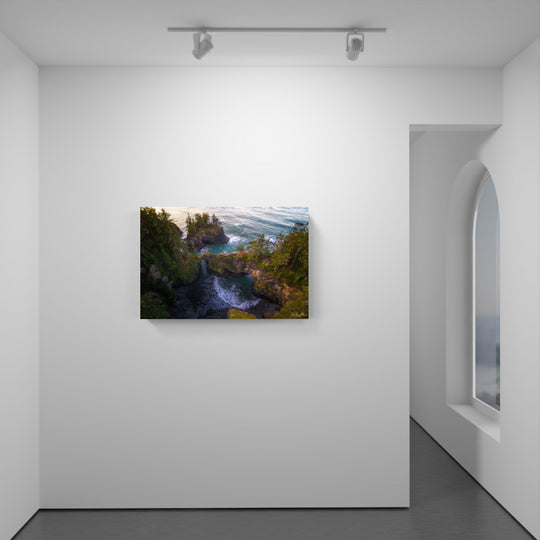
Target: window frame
point(478, 404)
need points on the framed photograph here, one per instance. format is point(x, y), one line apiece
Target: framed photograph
point(224, 262)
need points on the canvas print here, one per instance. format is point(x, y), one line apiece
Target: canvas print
point(224, 262)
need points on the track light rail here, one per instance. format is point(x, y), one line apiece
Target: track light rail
point(260, 29)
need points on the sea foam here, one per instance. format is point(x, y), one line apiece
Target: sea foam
point(231, 296)
point(236, 239)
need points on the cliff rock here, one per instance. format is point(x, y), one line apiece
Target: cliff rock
point(212, 236)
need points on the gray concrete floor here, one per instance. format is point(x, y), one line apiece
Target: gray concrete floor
point(446, 503)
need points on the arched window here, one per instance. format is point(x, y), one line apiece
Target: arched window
point(486, 283)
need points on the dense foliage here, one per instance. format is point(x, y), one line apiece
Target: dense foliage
point(287, 258)
point(200, 222)
point(153, 307)
point(165, 261)
point(297, 307)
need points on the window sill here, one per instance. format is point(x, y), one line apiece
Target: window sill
point(489, 426)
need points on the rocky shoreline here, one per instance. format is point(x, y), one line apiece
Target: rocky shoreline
point(238, 264)
point(271, 291)
point(188, 305)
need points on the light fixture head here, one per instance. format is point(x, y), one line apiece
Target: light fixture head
point(202, 44)
point(355, 44)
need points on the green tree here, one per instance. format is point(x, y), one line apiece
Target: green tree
point(200, 222)
point(290, 257)
point(189, 224)
point(165, 257)
point(260, 249)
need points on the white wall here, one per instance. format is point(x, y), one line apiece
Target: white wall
point(19, 335)
point(217, 414)
point(509, 469)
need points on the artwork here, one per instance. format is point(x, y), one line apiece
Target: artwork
point(224, 263)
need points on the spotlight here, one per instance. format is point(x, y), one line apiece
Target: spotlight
point(202, 44)
point(355, 44)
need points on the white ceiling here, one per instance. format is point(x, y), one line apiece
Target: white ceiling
point(133, 32)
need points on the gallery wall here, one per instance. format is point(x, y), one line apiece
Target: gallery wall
point(139, 413)
point(508, 468)
point(19, 279)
